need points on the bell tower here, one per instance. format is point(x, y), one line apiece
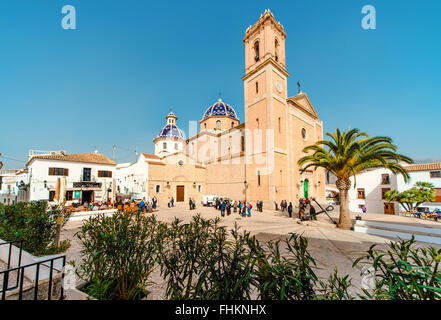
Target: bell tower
point(266, 110)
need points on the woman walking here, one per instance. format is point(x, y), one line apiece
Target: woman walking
point(290, 210)
point(222, 208)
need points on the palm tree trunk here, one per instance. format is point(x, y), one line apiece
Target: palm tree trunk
point(343, 186)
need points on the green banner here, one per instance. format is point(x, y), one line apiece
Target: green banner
point(77, 194)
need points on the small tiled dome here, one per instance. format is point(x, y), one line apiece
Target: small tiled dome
point(171, 131)
point(220, 109)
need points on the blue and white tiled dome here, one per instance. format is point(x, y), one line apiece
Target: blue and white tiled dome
point(171, 131)
point(220, 109)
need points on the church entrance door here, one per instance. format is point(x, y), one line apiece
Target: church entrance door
point(305, 189)
point(180, 193)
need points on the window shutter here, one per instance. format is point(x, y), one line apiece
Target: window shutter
point(65, 172)
point(110, 174)
point(100, 174)
point(51, 171)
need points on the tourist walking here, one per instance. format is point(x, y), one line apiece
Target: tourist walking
point(141, 206)
point(228, 208)
point(240, 207)
point(235, 206)
point(363, 208)
point(222, 208)
point(290, 210)
point(190, 203)
point(244, 209)
point(261, 206)
point(275, 204)
point(301, 209)
point(172, 202)
point(154, 200)
point(249, 206)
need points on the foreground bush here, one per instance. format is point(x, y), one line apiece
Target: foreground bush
point(34, 223)
point(201, 260)
point(118, 255)
point(290, 275)
point(403, 272)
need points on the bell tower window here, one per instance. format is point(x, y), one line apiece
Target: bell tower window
point(276, 49)
point(218, 124)
point(256, 51)
point(257, 87)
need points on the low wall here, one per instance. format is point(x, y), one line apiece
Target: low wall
point(84, 215)
point(27, 258)
point(43, 290)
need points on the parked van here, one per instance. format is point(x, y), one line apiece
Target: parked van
point(209, 200)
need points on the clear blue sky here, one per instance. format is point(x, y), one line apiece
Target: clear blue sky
point(113, 80)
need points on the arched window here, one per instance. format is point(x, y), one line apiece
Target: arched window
point(218, 124)
point(232, 124)
point(279, 126)
point(258, 178)
point(257, 87)
point(276, 49)
point(164, 145)
point(205, 126)
point(256, 51)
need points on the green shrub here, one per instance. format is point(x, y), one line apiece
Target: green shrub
point(118, 255)
point(336, 288)
point(34, 223)
point(403, 272)
point(231, 263)
point(202, 260)
point(287, 276)
point(183, 254)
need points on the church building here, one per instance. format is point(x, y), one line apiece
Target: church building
point(252, 160)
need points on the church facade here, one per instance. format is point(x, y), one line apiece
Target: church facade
point(251, 160)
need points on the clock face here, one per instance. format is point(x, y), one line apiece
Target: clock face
point(278, 86)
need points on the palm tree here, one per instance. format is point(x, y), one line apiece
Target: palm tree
point(349, 153)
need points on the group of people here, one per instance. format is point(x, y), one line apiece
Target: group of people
point(227, 206)
point(192, 204)
point(94, 206)
point(435, 214)
point(304, 208)
point(142, 206)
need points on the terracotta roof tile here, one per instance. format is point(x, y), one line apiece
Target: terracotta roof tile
point(423, 167)
point(76, 157)
point(150, 156)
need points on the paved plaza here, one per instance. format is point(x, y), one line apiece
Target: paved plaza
point(331, 247)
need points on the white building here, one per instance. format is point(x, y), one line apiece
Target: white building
point(88, 176)
point(369, 191)
point(132, 178)
point(424, 172)
point(12, 183)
